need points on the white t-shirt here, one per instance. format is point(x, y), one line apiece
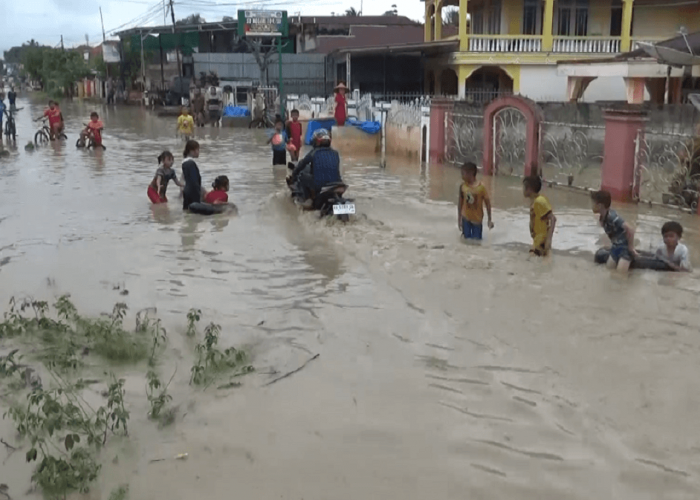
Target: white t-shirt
point(680, 257)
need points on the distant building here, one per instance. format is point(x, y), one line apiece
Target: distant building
point(515, 45)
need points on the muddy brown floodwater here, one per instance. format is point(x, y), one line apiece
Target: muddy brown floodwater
point(446, 371)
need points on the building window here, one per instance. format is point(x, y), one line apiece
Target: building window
point(533, 12)
point(616, 18)
point(572, 18)
point(486, 18)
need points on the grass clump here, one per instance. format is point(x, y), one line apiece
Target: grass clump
point(67, 336)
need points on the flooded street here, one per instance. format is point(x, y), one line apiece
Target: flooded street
point(446, 370)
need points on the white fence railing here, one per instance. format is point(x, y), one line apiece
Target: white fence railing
point(505, 43)
point(587, 45)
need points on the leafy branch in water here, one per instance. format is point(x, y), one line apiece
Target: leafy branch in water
point(211, 361)
point(158, 397)
point(64, 431)
point(193, 318)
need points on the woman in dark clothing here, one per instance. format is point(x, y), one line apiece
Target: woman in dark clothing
point(190, 174)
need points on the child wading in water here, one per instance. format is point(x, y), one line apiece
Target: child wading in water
point(673, 251)
point(218, 195)
point(193, 191)
point(470, 210)
point(620, 233)
point(294, 131)
point(185, 124)
point(542, 220)
point(164, 174)
point(279, 144)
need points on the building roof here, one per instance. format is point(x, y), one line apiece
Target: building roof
point(368, 36)
point(345, 21)
point(442, 46)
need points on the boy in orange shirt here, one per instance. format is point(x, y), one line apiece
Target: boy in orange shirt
point(53, 113)
point(470, 210)
point(94, 128)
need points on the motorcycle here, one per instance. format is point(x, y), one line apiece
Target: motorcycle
point(329, 202)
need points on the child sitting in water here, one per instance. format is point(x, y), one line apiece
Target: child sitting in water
point(620, 233)
point(164, 174)
point(218, 195)
point(470, 210)
point(673, 251)
point(279, 143)
point(542, 220)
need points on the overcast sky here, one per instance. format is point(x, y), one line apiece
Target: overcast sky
point(47, 20)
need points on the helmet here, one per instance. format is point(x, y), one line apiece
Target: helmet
point(321, 137)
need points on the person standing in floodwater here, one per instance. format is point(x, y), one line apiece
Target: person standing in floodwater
point(341, 105)
point(191, 176)
point(542, 220)
point(294, 131)
point(472, 199)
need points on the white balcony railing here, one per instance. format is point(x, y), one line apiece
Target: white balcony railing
point(586, 45)
point(505, 43)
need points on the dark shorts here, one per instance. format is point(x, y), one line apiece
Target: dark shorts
point(620, 252)
point(279, 157)
point(471, 230)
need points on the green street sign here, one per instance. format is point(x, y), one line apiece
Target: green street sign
point(262, 23)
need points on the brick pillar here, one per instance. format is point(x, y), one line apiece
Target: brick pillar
point(440, 120)
point(619, 158)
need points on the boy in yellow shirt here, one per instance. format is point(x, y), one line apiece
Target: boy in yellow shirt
point(470, 210)
point(542, 220)
point(185, 124)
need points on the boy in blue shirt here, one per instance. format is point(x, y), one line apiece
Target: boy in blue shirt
point(279, 141)
point(620, 233)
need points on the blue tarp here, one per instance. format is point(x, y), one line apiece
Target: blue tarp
point(314, 125)
point(236, 111)
point(369, 127)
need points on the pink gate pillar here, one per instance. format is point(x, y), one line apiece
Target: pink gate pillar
point(440, 117)
point(622, 127)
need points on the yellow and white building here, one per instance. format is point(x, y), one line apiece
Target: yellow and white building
point(515, 45)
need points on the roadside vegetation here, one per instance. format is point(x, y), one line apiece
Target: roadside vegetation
point(41, 377)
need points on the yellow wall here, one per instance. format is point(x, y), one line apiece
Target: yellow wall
point(656, 22)
point(513, 10)
point(599, 18)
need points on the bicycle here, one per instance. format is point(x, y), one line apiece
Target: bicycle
point(44, 135)
point(87, 141)
point(10, 126)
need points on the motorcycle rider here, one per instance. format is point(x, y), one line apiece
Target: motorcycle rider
point(319, 168)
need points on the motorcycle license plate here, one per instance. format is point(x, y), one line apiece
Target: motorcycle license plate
point(348, 208)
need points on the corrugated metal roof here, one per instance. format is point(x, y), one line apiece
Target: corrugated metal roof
point(368, 36)
point(425, 47)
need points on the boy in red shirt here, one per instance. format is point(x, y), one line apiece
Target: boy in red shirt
point(93, 128)
point(53, 113)
point(294, 130)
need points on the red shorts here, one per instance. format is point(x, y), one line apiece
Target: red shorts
point(155, 197)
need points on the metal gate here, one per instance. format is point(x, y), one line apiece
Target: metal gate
point(509, 141)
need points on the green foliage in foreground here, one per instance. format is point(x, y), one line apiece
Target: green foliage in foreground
point(211, 361)
point(64, 432)
point(66, 337)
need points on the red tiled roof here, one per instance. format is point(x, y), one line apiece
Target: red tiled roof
point(368, 36)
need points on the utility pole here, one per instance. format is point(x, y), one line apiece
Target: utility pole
point(104, 39)
point(62, 48)
point(177, 49)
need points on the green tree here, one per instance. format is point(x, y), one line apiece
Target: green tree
point(191, 20)
point(56, 70)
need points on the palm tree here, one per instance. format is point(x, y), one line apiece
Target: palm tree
point(393, 12)
point(351, 12)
